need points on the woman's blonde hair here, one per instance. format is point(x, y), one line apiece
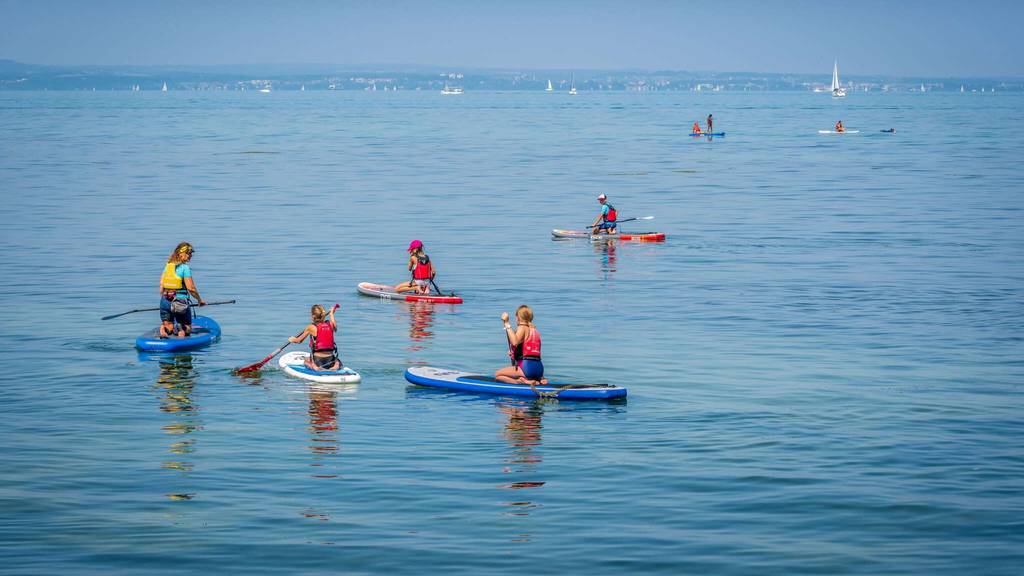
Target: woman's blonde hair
point(525, 313)
point(182, 250)
point(318, 313)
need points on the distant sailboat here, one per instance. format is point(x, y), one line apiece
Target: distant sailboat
point(549, 88)
point(303, 89)
point(922, 88)
point(572, 85)
point(961, 88)
point(164, 89)
point(449, 91)
point(837, 90)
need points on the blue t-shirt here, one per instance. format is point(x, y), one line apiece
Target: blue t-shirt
point(604, 210)
point(183, 271)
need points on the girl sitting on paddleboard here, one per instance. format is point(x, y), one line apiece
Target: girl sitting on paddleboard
point(422, 270)
point(176, 285)
point(323, 352)
point(524, 347)
point(840, 127)
point(605, 221)
point(696, 128)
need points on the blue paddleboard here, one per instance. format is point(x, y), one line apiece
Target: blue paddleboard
point(469, 382)
point(205, 331)
point(707, 133)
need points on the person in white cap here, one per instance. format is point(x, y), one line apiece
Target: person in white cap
point(606, 221)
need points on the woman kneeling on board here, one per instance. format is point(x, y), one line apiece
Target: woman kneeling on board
point(422, 270)
point(176, 286)
point(524, 348)
point(323, 352)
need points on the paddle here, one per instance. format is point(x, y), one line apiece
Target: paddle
point(626, 220)
point(258, 365)
point(439, 291)
point(155, 309)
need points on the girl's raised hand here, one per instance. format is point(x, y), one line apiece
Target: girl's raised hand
point(504, 316)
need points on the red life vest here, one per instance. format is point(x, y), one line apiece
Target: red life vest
point(531, 346)
point(324, 339)
point(612, 215)
point(422, 269)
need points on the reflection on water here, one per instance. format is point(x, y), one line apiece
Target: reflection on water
point(421, 320)
point(323, 425)
point(608, 257)
point(522, 432)
point(175, 385)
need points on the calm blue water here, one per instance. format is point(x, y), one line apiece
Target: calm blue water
point(824, 359)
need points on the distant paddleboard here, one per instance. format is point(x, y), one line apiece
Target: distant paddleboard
point(707, 133)
point(834, 132)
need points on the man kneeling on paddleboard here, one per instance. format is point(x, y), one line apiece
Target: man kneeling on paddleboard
point(605, 222)
point(323, 352)
point(422, 270)
point(524, 349)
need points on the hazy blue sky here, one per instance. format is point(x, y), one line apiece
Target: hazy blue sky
point(933, 38)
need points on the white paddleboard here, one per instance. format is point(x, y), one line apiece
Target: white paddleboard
point(294, 364)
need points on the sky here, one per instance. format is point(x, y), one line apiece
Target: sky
point(936, 38)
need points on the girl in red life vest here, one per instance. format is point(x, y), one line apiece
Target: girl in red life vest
point(323, 352)
point(524, 347)
point(696, 128)
point(422, 270)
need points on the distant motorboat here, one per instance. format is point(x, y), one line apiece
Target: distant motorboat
point(451, 90)
point(265, 89)
point(837, 89)
point(549, 88)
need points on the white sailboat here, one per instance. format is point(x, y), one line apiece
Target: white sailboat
point(837, 89)
point(922, 88)
point(164, 89)
point(572, 85)
point(549, 88)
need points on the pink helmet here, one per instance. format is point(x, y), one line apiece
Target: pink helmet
point(414, 245)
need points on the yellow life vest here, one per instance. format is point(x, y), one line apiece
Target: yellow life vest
point(170, 280)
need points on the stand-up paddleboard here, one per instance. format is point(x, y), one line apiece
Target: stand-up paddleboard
point(834, 132)
point(204, 332)
point(468, 382)
point(294, 364)
point(707, 133)
point(385, 292)
point(632, 236)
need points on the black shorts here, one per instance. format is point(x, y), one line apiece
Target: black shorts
point(180, 318)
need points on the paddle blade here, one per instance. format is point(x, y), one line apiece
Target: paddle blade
point(250, 368)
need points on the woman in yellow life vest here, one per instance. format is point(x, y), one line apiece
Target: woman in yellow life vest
point(176, 285)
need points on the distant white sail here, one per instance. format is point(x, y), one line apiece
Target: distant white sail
point(549, 88)
point(164, 89)
point(837, 89)
point(572, 85)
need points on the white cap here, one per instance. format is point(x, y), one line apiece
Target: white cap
point(602, 197)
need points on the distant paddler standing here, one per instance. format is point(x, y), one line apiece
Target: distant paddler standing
point(176, 286)
point(711, 124)
point(606, 221)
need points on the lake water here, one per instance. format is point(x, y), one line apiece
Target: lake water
point(824, 360)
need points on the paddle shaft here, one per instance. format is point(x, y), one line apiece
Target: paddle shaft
point(626, 220)
point(155, 309)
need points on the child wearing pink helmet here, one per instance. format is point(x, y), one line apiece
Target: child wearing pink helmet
point(422, 270)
